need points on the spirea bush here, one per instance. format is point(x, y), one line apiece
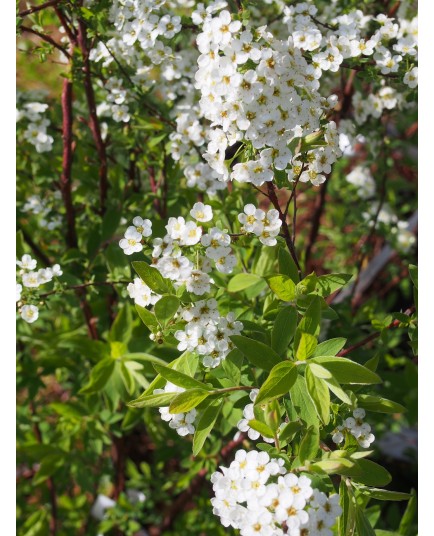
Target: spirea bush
point(216, 267)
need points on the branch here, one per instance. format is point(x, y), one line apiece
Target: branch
point(83, 286)
point(35, 248)
point(93, 118)
point(65, 180)
point(373, 336)
point(34, 9)
point(46, 38)
point(316, 220)
point(286, 234)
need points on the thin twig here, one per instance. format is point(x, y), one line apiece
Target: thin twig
point(35, 9)
point(46, 38)
point(84, 285)
point(373, 336)
point(316, 220)
point(35, 248)
point(93, 118)
point(285, 228)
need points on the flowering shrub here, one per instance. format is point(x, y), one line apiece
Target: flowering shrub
point(223, 333)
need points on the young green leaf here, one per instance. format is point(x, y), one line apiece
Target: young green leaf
point(279, 382)
point(147, 318)
point(289, 430)
point(284, 329)
point(302, 406)
point(405, 527)
point(152, 277)
point(282, 286)
point(327, 284)
point(309, 444)
point(166, 308)
point(319, 394)
point(362, 524)
point(153, 401)
point(261, 427)
point(205, 425)
point(379, 404)
point(258, 353)
point(242, 281)
point(347, 371)
point(306, 346)
point(122, 327)
point(99, 376)
point(186, 401)
point(330, 347)
point(179, 378)
point(287, 265)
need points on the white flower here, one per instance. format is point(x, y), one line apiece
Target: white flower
point(27, 263)
point(198, 282)
point(29, 313)
point(132, 241)
point(141, 293)
point(144, 227)
point(18, 290)
point(201, 212)
point(191, 234)
point(56, 270)
point(31, 280)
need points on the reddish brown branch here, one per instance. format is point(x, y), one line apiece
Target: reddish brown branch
point(35, 9)
point(35, 248)
point(373, 336)
point(46, 38)
point(316, 220)
point(285, 229)
point(65, 179)
point(93, 118)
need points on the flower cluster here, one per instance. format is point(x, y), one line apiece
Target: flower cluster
point(207, 332)
point(265, 225)
point(169, 254)
point(30, 279)
point(116, 104)
point(38, 206)
point(183, 423)
point(36, 131)
point(141, 293)
point(257, 496)
point(248, 415)
point(261, 91)
point(357, 428)
point(133, 237)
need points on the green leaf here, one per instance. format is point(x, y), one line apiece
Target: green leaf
point(242, 281)
point(110, 223)
point(287, 265)
point(99, 376)
point(152, 277)
point(385, 494)
point(405, 527)
point(347, 371)
point(302, 405)
point(332, 467)
point(330, 347)
point(362, 524)
point(266, 261)
point(306, 346)
point(284, 329)
point(311, 320)
point(262, 428)
point(319, 394)
point(279, 382)
point(282, 286)
point(147, 318)
point(232, 365)
point(369, 473)
point(289, 430)
point(346, 521)
point(258, 353)
point(142, 356)
point(166, 308)
point(379, 404)
point(205, 425)
point(186, 401)
point(309, 444)
point(153, 401)
point(327, 284)
point(49, 465)
point(413, 274)
point(179, 378)
point(122, 327)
